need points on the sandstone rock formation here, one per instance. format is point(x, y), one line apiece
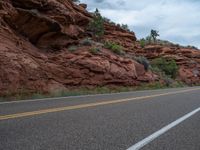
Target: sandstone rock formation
point(35, 56)
point(34, 49)
point(188, 60)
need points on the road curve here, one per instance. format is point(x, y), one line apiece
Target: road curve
point(110, 122)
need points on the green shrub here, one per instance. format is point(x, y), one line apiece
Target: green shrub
point(96, 26)
point(72, 48)
point(94, 50)
point(114, 47)
point(142, 43)
point(157, 70)
point(125, 27)
point(148, 40)
point(168, 81)
point(169, 67)
point(191, 47)
point(144, 61)
point(106, 20)
point(86, 42)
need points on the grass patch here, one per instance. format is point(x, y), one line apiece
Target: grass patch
point(115, 48)
point(96, 90)
point(94, 50)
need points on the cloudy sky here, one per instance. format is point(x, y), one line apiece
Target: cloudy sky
point(176, 20)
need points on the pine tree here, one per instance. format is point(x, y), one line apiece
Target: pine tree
point(154, 35)
point(96, 26)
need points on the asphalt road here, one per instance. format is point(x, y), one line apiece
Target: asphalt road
point(104, 122)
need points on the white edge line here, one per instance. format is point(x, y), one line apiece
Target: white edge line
point(81, 96)
point(155, 135)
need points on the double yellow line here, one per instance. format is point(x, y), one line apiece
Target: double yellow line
point(59, 109)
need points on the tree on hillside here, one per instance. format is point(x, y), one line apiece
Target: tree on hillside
point(154, 34)
point(125, 27)
point(148, 39)
point(96, 26)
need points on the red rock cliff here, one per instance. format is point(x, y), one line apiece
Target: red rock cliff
point(187, 59)
point(31, 29)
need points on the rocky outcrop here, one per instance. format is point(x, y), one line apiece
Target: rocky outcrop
point(50, 24)
point(188, 60)
point(37, 39)
point(47, 24)
point(124, 38)
point(34, 49)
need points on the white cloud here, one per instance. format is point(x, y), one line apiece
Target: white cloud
point(177, 20)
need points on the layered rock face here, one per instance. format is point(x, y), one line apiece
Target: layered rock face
point(187, 59)
point(35, 37)
point(35, 55)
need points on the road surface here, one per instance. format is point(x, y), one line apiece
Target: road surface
point(166, 119)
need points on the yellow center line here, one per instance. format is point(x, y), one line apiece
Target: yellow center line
point(59, 109)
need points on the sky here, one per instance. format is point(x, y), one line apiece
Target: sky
point(176, 20)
